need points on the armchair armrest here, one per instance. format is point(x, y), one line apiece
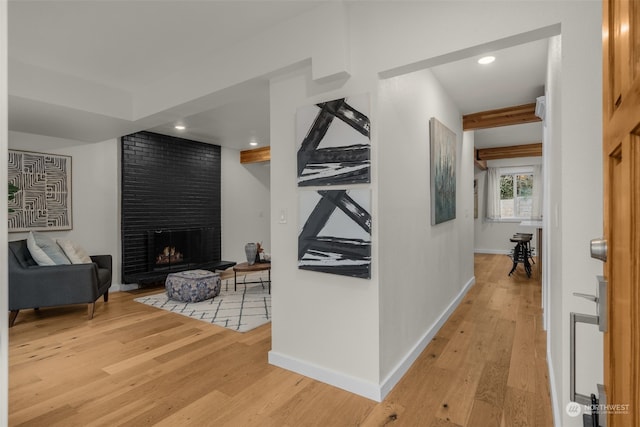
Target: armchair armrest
point(103, 261)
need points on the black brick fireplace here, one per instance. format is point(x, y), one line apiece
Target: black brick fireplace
point(170, 206)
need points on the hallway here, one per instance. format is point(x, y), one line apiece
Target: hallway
point(487, 365)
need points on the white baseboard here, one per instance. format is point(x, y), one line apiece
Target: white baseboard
point(401, 368)
point(376, 392)
point(557, 414)
point(492, 251)
point(328, 376)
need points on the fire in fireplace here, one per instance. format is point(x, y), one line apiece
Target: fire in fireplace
point(169, 255)
point(179, 249)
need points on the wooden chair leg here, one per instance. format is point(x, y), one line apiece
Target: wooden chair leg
point(12, 317)
point(91, 308)
point(106, 296)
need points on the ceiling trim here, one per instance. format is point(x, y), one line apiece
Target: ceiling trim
point(508, 116)
point(527, 150)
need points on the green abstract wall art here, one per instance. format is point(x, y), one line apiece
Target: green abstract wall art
point(443, 172)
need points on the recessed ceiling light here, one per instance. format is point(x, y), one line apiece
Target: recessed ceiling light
point(180, 127)
point(486, 60)
point(253, 143)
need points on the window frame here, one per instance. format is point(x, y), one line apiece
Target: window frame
point(514, 171)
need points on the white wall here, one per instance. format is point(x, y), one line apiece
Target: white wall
point(4, 300)
point(95, 193)
point(324, 326)
point(364, 339)
point(423, 268)
point(576, 201)
point(245, 205)
point(492, 237)
point(552, 231)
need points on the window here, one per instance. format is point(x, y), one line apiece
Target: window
point(516, 195)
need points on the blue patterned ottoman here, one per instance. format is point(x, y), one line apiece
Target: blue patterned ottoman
point(192, 285)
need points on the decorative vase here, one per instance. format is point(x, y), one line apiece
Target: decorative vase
point(251, 249)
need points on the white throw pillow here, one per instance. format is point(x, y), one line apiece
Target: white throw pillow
point(44, 250)
point(75, 252)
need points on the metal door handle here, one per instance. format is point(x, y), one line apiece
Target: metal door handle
point(577, 318)
point(586, 296)
point(599, 249)
point(601, 302)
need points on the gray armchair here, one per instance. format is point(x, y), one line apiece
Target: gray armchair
point(34, 286)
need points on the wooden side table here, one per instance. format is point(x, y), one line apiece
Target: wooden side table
point(244, 267)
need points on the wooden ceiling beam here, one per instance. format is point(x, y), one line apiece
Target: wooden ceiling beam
point(482, 164)
point(501, 117)
point(256, 155)
point(527, 150)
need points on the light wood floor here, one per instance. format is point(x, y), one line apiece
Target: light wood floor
point(135, 365)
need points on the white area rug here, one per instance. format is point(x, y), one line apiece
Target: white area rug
point(242, 310)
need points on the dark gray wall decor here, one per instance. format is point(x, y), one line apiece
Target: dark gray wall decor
point(43, 199)
point(168, 184)
point(336, 235)
point(333, 139)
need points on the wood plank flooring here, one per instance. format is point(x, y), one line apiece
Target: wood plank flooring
point(133, 365)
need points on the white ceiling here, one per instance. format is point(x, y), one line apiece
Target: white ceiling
point(128, 45)
point(516, 77)
point(234, 124)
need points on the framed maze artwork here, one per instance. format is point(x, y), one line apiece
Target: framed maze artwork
point(40, 191)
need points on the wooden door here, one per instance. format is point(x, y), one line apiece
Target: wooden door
point(621, 145)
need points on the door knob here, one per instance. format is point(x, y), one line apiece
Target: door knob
point(599, 249)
